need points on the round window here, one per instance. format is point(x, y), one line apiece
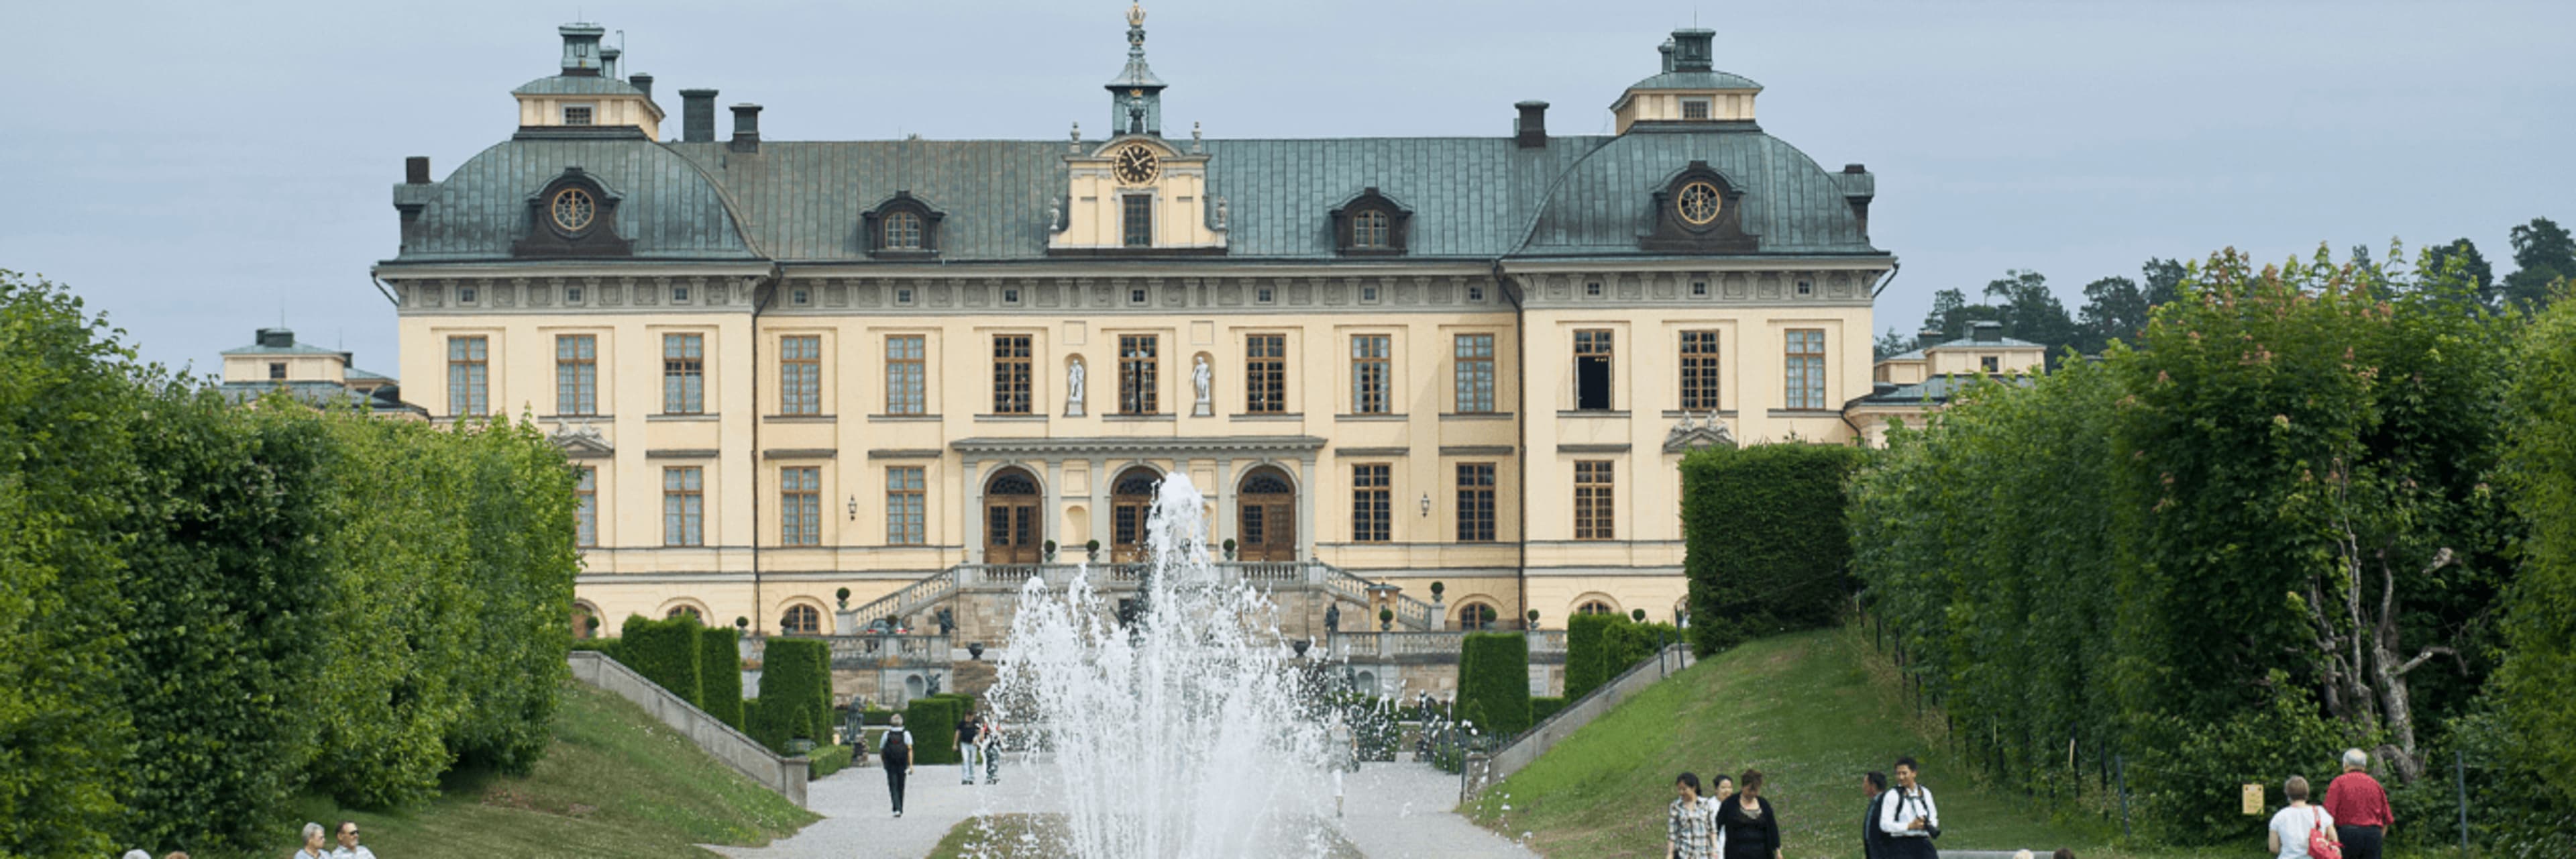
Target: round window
point(573, 208)
point(1699, 203)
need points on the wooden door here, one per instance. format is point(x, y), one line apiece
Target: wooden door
point(1011, 526)
point(1266, 517)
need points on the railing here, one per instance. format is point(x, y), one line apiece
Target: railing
point(1116, 576)
point(1413, 614)
point(937, 586)
point(1373, 645)
point(872, 651)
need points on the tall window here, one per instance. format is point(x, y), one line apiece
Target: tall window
point(684, 379)
point(1370, 373)
point(1265, 374)
point(1475, 502)
point(576, 374)
point(585, 510)
point(902, 231)
point(1372, 507)
point(904, 507)
point(1592, 354)
point(1136, 215)
point(1475, 616)
point(1011, 373)
point(1699, 371)
point(1136, 370)
point(1805, 361)
point(1595, 607)
point(800, 375)
point(1368, 229)
point(1594, 515)
point(469, 390)
point(905, 377)
point(800, 507)
point(1475, 354)
point(801, 620)
point(684, 512)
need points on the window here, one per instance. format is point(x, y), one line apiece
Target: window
point(1592, 288)
point(1594, 516)
point(468, 381)
point(1368, 295)
point(905, 508)
point(1699, 289)
point(1265, 374)
point(800, 375)
point(1011, 295)
point(1136, 296)
point(1011, 374)
point(572, 295)
point(1475, 382)
point(682, 611)
point(800, 507)
point(902, 231)
point(1475, 293)
point(801, 620)
point(1263, 295)
point(679, 295)
point(585, 511)
point(1136, 371)
point(1694, 108)
point(684, 506)
point(1372, 505)
point(1595, 607)
point(1990, 363)
point(1369, 374)
point(1806, 368)
point(903, 296)
point(800, 296)
point(1806, 288)
point(1699, 371)
point(576, 374)
point(1136, 215)
point(1475, 502)
point(577, 114)
point(1368, 229)
point(467, 294)
point(277, 370)
point(1475, 616)
point(906, 379)
point(684, 379)
point(1592, 354)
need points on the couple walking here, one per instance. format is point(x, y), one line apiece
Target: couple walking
point(978, 739)
point(1722, 823)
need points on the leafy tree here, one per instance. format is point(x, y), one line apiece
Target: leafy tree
point(1951, 314)
point(2114, 309)
point(2032, 312)
point(2163, 280)
point(2540, 662)
point(2543, 255)
point(2473, 267)
point(1893, 343)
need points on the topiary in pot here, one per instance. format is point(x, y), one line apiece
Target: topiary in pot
point(1637, 614)
point(1436, 590)
point(843, 595)
point(1385, 619)
point(1092, 548)
point(1533, 618)
point(1229, 548)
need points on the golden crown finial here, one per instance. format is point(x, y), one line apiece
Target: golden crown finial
point(1135, 14)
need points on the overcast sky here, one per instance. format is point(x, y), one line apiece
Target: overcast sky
point(198, 169)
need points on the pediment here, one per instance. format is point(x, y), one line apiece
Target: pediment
point(580, 440)
point(1694, 434)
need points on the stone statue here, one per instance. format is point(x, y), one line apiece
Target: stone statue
point(1200, 378)
point(1198, 142)
point(1055, 216)
point(1076, 146)
point(1220, 213)
point(1333, 618)
point(1073, 389)
point(947, 622)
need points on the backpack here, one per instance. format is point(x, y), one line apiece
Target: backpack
point(2319, 845)
point(897, 746)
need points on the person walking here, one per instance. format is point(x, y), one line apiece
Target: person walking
point(1873, 843)
point(1687, 826)
point(2295, 825)
point(2359, 807)
point(988, 743)
point(1746, 824)
point(895, 751)
point(1908, 818)
point(314, 836)
point(349, 847)
point(969, 735)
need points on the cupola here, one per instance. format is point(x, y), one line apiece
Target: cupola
point(1690, 93)
point(1136, 95)
point(585, 97)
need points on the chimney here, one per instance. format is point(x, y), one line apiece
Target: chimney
point(1667, 50)
point(608, 55)
point(581, 50)
point(1987, 331)
point(1928, 338)
point(746, 128)
point(1531, 129)
point(1691, 50)
point(697, 116)
point(643, 83)
point(276, 338)
point(416, 170)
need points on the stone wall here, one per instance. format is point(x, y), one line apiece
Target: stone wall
point(786, 776)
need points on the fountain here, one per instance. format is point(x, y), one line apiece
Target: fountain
point(1185, 733)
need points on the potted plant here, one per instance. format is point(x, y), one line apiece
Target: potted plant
point(975, 651)
point(842, 595)
point(1385, 619)
point(1229, 548)
point(1533, 618)
point(1436, 590)
point(1049, 546)
point(1637, 614)
point(590, 626)
point(742, 637)
point(1091, 549)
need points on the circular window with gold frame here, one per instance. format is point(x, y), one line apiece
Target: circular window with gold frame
point(1699, 203)
point(572, 209)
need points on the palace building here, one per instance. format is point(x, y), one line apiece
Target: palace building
point(927, 370)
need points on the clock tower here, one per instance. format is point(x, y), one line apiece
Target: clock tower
point(1136, 95)
point(1138, 194)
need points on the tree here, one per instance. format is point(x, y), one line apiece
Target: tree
point(2163, 280)
point(2543, 255)
point(1951, 314)
point(2473, 266)
point(2031, 311)
point(1893, 343)
point(2540, 627)
point(2114, 309)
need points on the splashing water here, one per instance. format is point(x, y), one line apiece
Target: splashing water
point(1182, 733)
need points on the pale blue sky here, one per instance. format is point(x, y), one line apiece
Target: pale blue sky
point(194, 168)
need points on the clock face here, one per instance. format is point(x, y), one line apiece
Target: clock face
point(1135, 164)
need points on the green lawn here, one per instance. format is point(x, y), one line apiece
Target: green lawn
point(615, 783)
point(1812, 711)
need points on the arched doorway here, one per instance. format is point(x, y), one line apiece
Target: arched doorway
point(1266, 516)
point(1131, 501)
point(1011, 529)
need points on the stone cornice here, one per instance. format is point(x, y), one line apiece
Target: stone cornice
point(1161, 447)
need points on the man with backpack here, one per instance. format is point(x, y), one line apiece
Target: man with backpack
point(895, 751)
point(1873, 842)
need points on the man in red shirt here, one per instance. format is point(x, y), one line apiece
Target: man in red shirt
point(2359, 808)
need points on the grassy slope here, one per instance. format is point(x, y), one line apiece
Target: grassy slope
point(1812, 711)
point(615, 783)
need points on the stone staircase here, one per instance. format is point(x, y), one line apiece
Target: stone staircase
point(922, 598)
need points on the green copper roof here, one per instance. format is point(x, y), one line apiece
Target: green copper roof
point(666, 206)
point(569, 85)
point(1604, 203)
point(1696, 80)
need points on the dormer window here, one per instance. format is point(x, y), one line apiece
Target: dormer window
point(1694, 108)
point(578, 114)
point(902, 226)
point(902, 231)
point(1368, 230)
point(572, 216)
point(1370, 224)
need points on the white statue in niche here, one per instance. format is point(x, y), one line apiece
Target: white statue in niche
point(1073, 389)
point(1201, 378)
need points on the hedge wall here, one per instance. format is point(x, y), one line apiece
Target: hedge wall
point(720, 674)
point(826, 760)
point(665, 652)
point(1764, 536)
point(1588, 663)
point(1626, 644)
point(2531, 685)
point(933, 723)
point(1493, 682)
point(1541, 708)
point(795, 692)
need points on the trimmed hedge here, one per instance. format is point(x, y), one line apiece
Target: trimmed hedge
point(795, 692)
point(1541, 708)
point(1493, 682)
point(1765, 542)
point(826, 760)
point(665, 652)
point(607, 646)
point(1588, 663)
point(720, 674)
point(1624, 645)
point(933, 722)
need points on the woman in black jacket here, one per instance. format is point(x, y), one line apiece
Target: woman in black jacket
point(1751, 830)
